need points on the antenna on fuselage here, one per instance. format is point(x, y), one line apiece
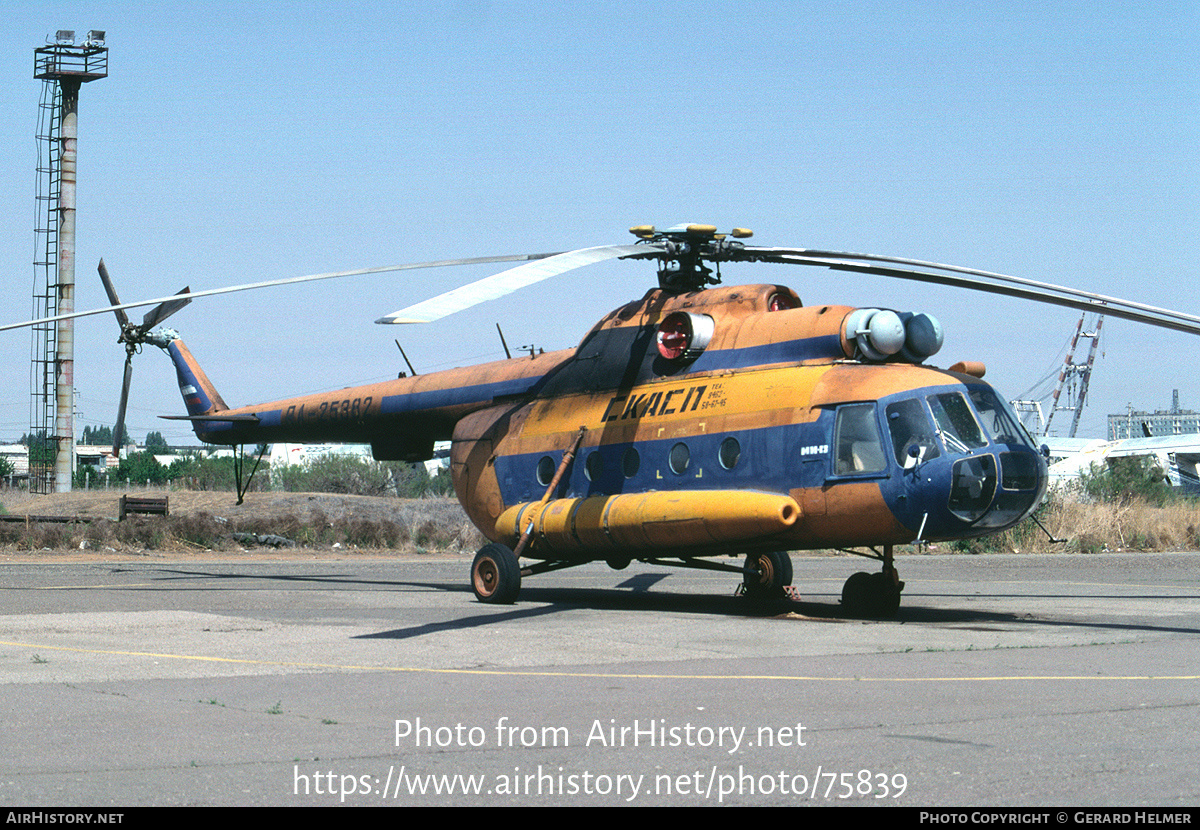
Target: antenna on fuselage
point(406, 360)
point(503, 342)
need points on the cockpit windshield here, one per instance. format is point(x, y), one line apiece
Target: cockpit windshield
point(997, 418)
point(996, 475)
point(956, 424)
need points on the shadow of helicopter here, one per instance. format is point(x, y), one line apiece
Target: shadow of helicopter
point(558, 600)
point(635, 595)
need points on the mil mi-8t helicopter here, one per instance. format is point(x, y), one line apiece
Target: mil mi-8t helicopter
point(700, 421)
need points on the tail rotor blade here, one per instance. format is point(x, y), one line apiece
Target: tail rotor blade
point(122, 317)
point(119, 430)
point(164, 310)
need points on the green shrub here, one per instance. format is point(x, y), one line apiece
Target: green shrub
point(1127, 479)
point(217, 474)
point(358, 476)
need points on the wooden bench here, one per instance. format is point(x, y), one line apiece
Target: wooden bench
point(154, 506)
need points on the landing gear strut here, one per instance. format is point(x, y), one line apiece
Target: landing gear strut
point(239, 466)
point(874, 595)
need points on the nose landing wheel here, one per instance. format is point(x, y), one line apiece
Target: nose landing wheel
point(874, 595)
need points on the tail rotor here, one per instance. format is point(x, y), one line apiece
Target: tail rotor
point(133, 335)
point(119, 431)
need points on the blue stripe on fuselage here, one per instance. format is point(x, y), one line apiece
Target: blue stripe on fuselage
point(412, 403)
point(790, 351)
point(769, 459)
point(456, 396)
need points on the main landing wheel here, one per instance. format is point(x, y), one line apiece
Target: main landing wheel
point(872, 595)
point(496, 575)
point(767, 574)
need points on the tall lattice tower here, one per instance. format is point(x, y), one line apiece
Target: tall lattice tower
point(1075, 376)
point(63, 67)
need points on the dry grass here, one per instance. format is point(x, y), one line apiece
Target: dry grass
point(208, 521)
point(323, 521)
point(1094, 527)
point(1134, 526)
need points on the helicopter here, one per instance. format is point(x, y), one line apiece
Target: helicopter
point(700, 422)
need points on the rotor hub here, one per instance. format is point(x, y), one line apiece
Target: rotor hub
point(684, 249)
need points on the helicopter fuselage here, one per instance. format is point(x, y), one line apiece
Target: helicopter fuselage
point(687, 424)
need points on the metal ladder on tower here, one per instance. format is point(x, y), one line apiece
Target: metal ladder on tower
point(43, 363)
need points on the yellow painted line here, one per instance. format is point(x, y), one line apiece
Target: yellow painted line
point(1043, 587)
point(108, 586)
point(613, 675)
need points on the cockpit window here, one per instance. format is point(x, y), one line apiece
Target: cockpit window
point(956, 425)
point(911, 432)
point(859, 447)
point(997, 419)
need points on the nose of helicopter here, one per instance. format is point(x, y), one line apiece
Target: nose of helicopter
point(986, 491)
point(968, 466)
point(996, 489)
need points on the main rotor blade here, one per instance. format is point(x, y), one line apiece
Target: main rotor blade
point(164, 310)
point(122, 317)
point(120, 428)
point(506, 282)
point(986, 281)
point(285, 281)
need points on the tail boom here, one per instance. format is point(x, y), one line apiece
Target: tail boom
point(400, 418)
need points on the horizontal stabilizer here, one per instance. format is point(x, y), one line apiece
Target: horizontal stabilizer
point(214, 417)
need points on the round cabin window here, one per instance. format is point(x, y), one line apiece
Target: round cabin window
point(630, 463)
point(679, 458)
point(545, 471)
point(730, 452)
point(594, 467)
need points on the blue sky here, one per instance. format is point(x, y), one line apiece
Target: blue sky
point(234, 142)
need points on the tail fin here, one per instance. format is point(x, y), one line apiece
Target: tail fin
point(199, 395)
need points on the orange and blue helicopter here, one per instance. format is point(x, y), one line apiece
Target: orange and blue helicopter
point(699, 422)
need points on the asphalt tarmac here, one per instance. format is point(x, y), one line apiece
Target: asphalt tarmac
point(1006, 680)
